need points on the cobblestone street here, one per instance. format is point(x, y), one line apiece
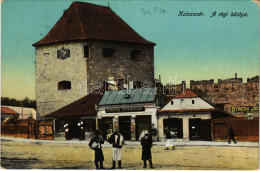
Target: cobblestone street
point(18, 155)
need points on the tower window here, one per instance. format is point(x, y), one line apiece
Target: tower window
point(86, 51)
point(109, 52)
point(64, 85)
point(193, 102)
point(136, 55)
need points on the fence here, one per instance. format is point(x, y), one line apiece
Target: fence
point(245, 130)
point(29, 128)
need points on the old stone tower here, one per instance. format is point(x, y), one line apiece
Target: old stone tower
point(88, 44)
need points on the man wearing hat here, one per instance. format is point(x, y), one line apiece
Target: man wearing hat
point(146, 143)
point(95, 144)
point(117, 141)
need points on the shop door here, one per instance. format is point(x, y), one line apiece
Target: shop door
point(142, 123)
point(74, 129)
point(125, 127)
point(194, 129)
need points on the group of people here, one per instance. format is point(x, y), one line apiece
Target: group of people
point(117, 141)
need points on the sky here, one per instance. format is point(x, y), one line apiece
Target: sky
point(187, 48)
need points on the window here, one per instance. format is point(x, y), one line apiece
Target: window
point(193, 101)
point(171, 102)
point(64, 85)
point(109, 52)
point(136, 55)
point(59, 125)
point(46, 57)
point(90, 125)
point(86, 51)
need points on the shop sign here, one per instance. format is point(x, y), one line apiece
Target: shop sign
point(126, 109)
point(249, 116)
point(244, 109)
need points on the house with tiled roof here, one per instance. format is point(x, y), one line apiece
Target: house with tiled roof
point(187, 117)
point(88, 44)
point(6, 112)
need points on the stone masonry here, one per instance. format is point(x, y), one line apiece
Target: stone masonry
point(229, 93)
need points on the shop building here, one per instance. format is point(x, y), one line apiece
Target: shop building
point(77, 120)
point(187, 116)
point(130, 111)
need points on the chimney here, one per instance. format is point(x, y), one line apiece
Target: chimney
point(236, 76)
point(160, 78)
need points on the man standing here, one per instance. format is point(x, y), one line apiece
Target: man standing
point(95, 144)
point(146, 143)
point(231, 134)
point(118, 141)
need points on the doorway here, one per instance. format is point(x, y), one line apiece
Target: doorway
point(194, 129)
point(125, 127)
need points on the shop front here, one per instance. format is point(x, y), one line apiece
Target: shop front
point(129, 116)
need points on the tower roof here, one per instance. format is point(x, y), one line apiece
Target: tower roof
point(85, 21)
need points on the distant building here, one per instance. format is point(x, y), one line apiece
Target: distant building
point(88, 44)
point(24, 112)
point(6, 112)
point(188, 115)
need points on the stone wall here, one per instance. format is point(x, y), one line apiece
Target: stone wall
point(228, 93)
point(86, 73)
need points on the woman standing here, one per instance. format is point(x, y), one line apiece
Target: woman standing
point(95, 144)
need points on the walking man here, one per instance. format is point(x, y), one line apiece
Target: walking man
point(231, 134)
point(146, 143)
point(95, 144)
point(117, 141)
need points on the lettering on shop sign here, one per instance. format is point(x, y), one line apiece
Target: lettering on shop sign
point(127, 109)
point(244, 109)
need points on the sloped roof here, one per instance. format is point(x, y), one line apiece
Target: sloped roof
point(143, 95)
point(186, 94)
point(83, 107)
point(6, 110)
point(84, 21)
point(24, 110)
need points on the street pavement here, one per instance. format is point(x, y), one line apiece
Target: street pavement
point(134, 143)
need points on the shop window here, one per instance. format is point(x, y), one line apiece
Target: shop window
point(193, 101)
point(59, 125)
point(171, 102)
point(136, 55)
point(90, 125)
point(64, 85)
point(86, 51)
point(109, 52)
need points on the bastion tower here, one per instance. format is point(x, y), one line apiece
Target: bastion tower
point(88, 44)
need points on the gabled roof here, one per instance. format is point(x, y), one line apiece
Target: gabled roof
point(6, 110)
point(83, 107)
point(143, 95)
point(84, 21)
point(186, 94)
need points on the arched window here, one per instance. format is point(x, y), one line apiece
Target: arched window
point(64, 85)
point(136, 55)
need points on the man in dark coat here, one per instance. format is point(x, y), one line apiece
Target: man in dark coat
point(146, 143)
point(95, 144)
point(117, 141)
point(231, 134)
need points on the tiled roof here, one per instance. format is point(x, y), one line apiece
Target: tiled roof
point(186, 94)
point(84, 21)
point(143, 95)
point(82, 107)
point(7, 110)
point(186, 110)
